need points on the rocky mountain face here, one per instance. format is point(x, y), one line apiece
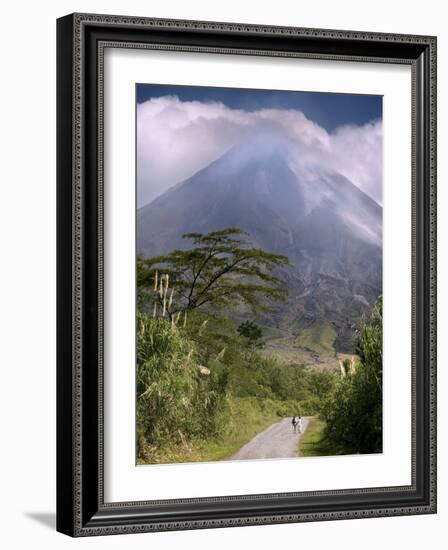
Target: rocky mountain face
point(330, 230)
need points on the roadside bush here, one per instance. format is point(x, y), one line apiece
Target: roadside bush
point(177, 397)
point(353, 412)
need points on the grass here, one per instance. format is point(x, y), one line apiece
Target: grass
point(314, 443)
point(317, 338)
point(311, 347)
point(248, 417)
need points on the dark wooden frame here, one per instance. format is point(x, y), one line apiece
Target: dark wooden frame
point(81, 510)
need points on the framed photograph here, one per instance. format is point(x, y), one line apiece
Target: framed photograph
point(246, 274)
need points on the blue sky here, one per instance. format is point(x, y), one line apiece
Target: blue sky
point(329, 110)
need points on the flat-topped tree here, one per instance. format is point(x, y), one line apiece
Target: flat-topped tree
point(221, 270)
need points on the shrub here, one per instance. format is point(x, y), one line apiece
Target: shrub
point(353, 412)
point(176, 398)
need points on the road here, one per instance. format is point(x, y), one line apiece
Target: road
point(277, 441)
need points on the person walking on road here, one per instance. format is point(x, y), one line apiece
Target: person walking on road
point(299, 425)
point(294, 424)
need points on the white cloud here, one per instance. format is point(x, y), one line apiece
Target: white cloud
point(357, 152)
point(175, 139)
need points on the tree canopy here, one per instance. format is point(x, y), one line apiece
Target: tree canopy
point(251, 332)
point(221, 270)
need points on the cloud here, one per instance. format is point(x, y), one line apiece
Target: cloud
point(177, 138)
point(357, 153)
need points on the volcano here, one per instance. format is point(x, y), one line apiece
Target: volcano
point(330, 230)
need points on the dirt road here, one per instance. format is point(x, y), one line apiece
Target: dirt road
point(277, 441)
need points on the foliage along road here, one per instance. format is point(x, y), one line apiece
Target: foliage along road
point(277, 441)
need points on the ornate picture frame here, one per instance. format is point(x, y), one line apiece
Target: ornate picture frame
point(81, 43)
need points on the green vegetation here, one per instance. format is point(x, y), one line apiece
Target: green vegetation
point(205, 386)
point(174, 398)
point(221, 270)
point(353, 412)
point(202, 392)
point(314, 441)
point(246, 417)
point(251, 332)
point(317, 338)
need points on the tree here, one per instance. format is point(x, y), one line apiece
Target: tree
point(221, 270)
point(251, 332)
